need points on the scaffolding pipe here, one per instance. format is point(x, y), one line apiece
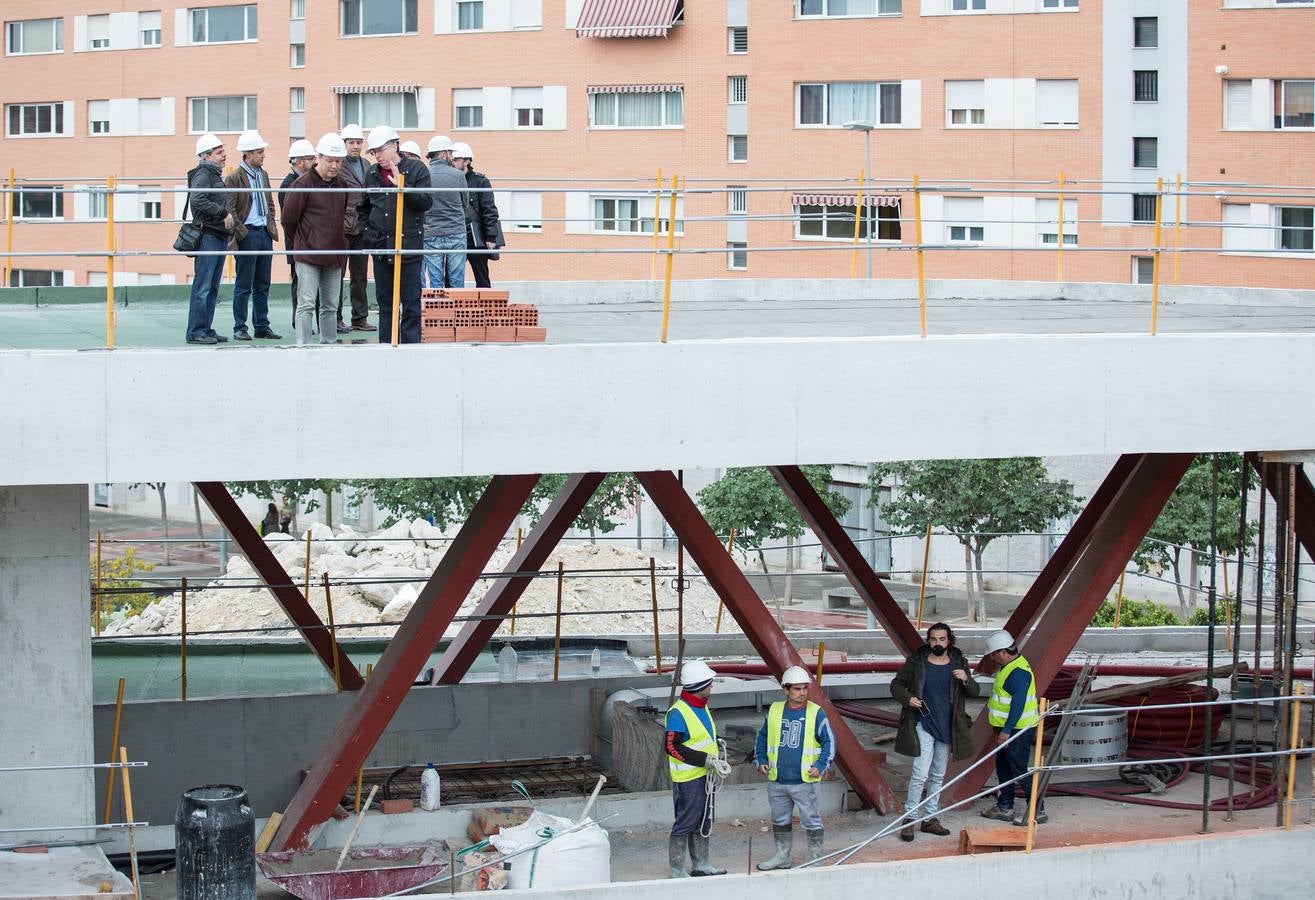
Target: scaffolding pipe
point(109, 266)
point(397, 277)
point(1059, 251)
point(922, 283)
point(1155, 260)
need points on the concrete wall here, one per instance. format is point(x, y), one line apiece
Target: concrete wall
point(45, 624)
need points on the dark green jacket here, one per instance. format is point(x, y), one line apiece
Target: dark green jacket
point(908, 684)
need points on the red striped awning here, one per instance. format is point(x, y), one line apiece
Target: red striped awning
point(627, 18)
point(634, 88)
point(845, 199)
point(375, 88)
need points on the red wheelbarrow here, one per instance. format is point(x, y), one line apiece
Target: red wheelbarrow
point(366, 872)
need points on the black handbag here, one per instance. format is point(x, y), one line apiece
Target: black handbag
point(189, 234)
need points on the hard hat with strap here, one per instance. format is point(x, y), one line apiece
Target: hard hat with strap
point(812, 748)
point(700, 738)
point(997, 707)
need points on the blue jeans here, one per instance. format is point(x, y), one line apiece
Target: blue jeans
point(253, 281)
point(928, 771)
point(445, 269)
point(205, 287)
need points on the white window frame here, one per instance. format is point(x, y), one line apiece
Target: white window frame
point(843, 218)
point(1155, 77)
point(98, 43)
point(737, 89)
point(249, 114)
point(407, 7)
point(1280, 100)
point(1137, 46)
point(98, 203)
point(737, 199)
point(827, 87)
point(476, 6)
point(297, 56)
point(1133, 215)
point(1047, 225)
point(57, 202)
point(737, 251)
point(826, 13)
point(966, 7)
point(595, 100)
point(297, 10)
point(148, 36)
point(151, 200)
point(459, 94)
point(1280, 228)
point(1137, 262)
point(733, 141)
point(1077, 103)
point(18, 27)
point(1136, 146)
point(965, 230)
point(103, 120)
point(519, 104)
point(1059, 5)
point(59, 127)
point(297, 99)
point(642, 218)
point(974, 116)
point(250, 23)
point(403, 122)
point(18, 277)
point(1235, 90)
point(736, 47)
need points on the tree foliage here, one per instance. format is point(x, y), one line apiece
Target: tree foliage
point(750, 501)
point(293, 493)
point(117, 579)
point(616, 493)
point(442, 501)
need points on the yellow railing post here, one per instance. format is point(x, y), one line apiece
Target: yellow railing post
point(917, 236)
point(821, 655)
point(1032, 798)
point(657, 217)
point(1059, 252)
point(397, 262)
point(1294, 717)
point(109, 266)
point(1177, 226)
point(9, 228)
point(1155, 260)
point(671, 244)
point(858, 218)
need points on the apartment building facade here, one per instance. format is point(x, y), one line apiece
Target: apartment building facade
point(574, 106)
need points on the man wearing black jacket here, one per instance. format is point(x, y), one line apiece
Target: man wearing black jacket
point(209, 207)
point(483, 229)
point(377, 212)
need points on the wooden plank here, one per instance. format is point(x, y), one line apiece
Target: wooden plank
point(267, 833)
point(991, 840)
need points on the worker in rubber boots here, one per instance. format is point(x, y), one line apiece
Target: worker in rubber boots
point(691, 746)
point(795, 748)
point(1012, 710)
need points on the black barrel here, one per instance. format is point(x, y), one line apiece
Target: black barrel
point(215, 841)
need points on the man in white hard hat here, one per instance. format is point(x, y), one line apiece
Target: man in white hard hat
point(484, 228)
point(795, 748)
point(931, 687)
point(315, 215)
point(691, 747)
point(209, 211)
point(301, 156)
point(254, 233)
point(445, 222)
point(358, 264)
point(1012, 710)
point(377, 211)
point(409, 149)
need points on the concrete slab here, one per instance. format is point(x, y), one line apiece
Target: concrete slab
point(62, 873)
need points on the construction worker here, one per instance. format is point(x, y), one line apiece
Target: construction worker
point(931, 687)
point(409, 149)
point(254, 232)
point(795, 748)
point(691, 746)
point(1012, 710)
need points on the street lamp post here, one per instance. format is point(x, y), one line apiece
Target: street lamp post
point(866, 128)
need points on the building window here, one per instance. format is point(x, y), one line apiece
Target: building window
point(34, 119)
point(38, 201)
point(221, 114)
point(525, 211)
point(298, 10)
point(811, 9)
point(737, 199)
point(1059, 4)
point(369, 110)
point(366, 17)
point(1047, 217)
point(737, 39)
point(298, 56)
point(1143, 207)
point(152, 203)
point(527, 107)
point(737, 255)
point(98, 116)
point(150, 116)
point(737, 89)
point(737, 148)
point(34, 36)
point(224, 24)
point(965, 103)
point(836, 102)
point(1146, 31)
point(468, 108)
point(1296, 228)
point(297, 99)
point(1057, 103)
point(1143, 269)
point(634, 109)
point(35, 278)
point(627, 215)
point(1237, 104)
point(964, 220)
point(148, 23)
point(836, 222)
point(967, 5)
point(98, 203)
point(1294, 104)
point(470, 15)
point(1146, 86)
point(1145, 152)
point(98, 32)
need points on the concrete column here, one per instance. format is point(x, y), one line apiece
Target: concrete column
point(45, 643)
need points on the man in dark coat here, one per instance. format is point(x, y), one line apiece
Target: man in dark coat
point(209, 212)
point(483, 228)
point(931, 688)
point(377, 211)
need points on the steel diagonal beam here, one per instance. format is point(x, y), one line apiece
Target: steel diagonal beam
point(280, 584)
point(374, 705)
point(837, 542)
point(1305, 500)
point(531, 556)
point(1067, 610)
point(767, 638)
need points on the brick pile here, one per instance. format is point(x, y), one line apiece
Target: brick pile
point(467, 315)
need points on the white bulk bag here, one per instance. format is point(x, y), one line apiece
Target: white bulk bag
point(572, 860)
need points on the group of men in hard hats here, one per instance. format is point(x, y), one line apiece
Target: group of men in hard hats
point(332, 207)
point(795, 747)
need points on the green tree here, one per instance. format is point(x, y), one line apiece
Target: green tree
point(117, 579)
point(291, 493)
point(617, 492)
point(1184, 523)
point(750, 501)
point(442, 500)
point(977, 501)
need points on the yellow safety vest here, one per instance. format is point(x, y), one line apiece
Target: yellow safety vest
point(700, 738)
point(812, 749)
point(997, 708)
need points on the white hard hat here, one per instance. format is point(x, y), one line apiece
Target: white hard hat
point(301, 147)
point(380, 135)
point(250, 140)
point(999, 640)
point(410, 147)
point(696, 675)
point(331, 145)
point(794, 675)
point(207, 142)
point(462, 150)
point(352, 132)
point(439, 142)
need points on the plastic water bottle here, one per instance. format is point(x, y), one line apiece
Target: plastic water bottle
point(595, 661)
point(430, 789)
point(507, 664)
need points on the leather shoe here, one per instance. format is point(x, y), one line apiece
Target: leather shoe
point(241, 336)
point(934, 826)
point(906, 833)
point(269, 334)
point(203, 339)
point(365, 326)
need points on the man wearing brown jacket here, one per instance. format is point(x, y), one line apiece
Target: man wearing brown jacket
point(254, 233)
point(316, 219)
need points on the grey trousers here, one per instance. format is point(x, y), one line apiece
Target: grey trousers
point(785, 797)
point(326, 283)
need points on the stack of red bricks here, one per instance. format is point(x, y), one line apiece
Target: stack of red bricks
point(465, 315)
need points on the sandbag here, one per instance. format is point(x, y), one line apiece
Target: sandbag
point(580, 858)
